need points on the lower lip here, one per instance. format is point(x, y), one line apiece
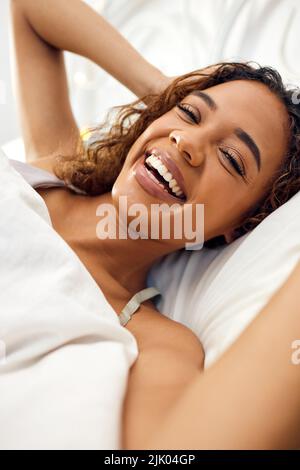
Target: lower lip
point(144, 179)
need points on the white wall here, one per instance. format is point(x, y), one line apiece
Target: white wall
point(9, 127)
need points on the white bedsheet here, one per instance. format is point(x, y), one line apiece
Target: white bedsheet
point(64, 358)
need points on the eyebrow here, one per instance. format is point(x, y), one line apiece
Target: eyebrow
point(247, 139)
point(240, 133)
point(208, 100)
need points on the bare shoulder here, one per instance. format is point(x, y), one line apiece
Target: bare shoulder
point(169, 334)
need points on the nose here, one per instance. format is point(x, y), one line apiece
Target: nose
point(190, 150)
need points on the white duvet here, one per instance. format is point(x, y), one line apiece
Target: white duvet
point(64, 358)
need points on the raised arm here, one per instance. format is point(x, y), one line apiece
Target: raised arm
point(42, 29)
point(250, 398)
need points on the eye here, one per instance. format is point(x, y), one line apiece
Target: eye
point(240, 169)
point(187, 110)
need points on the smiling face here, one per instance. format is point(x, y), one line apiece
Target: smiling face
point(221, 146)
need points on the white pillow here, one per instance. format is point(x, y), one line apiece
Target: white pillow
point(64, 357)
point(218, 292)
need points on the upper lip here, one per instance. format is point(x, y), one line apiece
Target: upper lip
point(170, 164)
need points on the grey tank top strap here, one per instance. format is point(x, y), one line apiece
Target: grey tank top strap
point(38, 178)
point(135, 302)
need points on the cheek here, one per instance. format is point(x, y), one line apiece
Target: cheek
point(214, 185)
point(161, 127)
point(224, 199)
point(140, 144)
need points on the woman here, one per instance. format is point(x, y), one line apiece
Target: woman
point(235, 149)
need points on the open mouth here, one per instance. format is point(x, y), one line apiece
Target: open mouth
point(163, 176)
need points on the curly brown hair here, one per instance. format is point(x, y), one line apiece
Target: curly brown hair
point(98, 162)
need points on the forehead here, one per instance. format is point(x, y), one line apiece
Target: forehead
point(254, 108)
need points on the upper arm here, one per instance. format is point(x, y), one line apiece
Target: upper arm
point(170, 355)
point(249, 399)
point(47, 120)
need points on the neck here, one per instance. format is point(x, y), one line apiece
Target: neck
point(125, 262)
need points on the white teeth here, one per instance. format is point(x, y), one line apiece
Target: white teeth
point(156, 163)
point(168, 176)
point(162, 170)
point(151, 158)
point(172, 183)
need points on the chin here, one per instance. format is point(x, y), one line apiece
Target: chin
point(127, 186)
point(129, 192)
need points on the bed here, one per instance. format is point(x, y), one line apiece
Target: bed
point(42, 406)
